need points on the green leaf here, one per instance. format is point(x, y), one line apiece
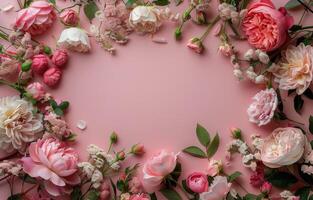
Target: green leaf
point(161, 2)
point(16, 197)
point(76, 193)
point(64, 105)
point(153, 196)
point(53, 2)
point(298, 103)
point(295, 28)
point(120, 184)
point(281, 179)
point(195, 151)
point(93, 195)
point(280, 102)
point(311, 124)
point(28, 179)
point(233, 176)
point(53, 104)
point(303, 193)
point(212, 148)
point(291, 4)
point(308, 93)
point(170, 194)
point(203, 135)
point(58, 111)
point(250, 197)
point(90, 10)
point(129, 3)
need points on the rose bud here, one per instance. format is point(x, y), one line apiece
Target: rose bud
point(52, 76)
point(201, 17)
point(266, 188)
point(59, 57)
point(138, 149)
point(69, 17)
point(113, 138)
point(236, 133)
point(36, 90)
point(196, 45)
point(40, 63)
point(120, 155)
point(197, 182)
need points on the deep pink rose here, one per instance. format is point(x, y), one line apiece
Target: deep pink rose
point(197, 182)
point(139, 197)
point(36, 19)
point(36, 90)
point(40, 63)
point(60, 57)
point(55, 163)
point(69, 17)
point(265, 27)
point(52, 76)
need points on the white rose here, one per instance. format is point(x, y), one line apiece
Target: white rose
point(74, 39)
point(144, 19)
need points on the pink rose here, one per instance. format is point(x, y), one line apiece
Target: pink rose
point(265, 27)
point(195, 44)
point(69, 17)
point(52, 76)
point(36, 90)
point(218, 189)
point(40, 63)
point(262, 109)
point(36, 19)
point(266, 187)
point(197, 182)
point(55, 163)
point(60, 57)
point(139, 197)
point(159, 166)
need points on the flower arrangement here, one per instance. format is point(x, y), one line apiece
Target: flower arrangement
point(38, 140)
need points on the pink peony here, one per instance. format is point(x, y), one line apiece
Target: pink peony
point(265, 27)
point(36, 90)
point(52, 76)
point(40, 63)
point(262, 110)
point(60, 57)
point(139, 197)
point(218, 189)
point(36, 19)
point(69, 17)
point(197, 182)
point(159, 166)
point(55, 163)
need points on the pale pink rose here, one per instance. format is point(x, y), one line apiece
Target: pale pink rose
point(157, 167)
point(139, 197)
point(215, 166)
point(197, 182)
point(283, 147)
point(52, 76)
point(295, 69)
point(262, 109)
point(36, 19)
point(40, 63)
point(9, 68)
point(69, 17)
point(265, 27)
point(59, 57)
point(218, 189)
point(55, 163)
point(195, 44)
point(36, 90)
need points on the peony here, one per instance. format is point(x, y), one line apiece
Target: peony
point(197, 182)
point(36, 90)
point(283, 147)
point(36, 19)
point(69, 17)
point(218, 189)
point(295, 70)
point(74, 39)
point(262, 110)
point(54, 162)
point(18, 124)
point(265, 27)
point(59, 57)
point(159, 166)
point(9, 68)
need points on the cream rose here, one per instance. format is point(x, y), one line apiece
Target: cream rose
point(283, 147)
point(74, 39)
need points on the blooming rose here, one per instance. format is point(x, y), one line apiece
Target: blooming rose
point(197, 182)
point(262, 110)
point(36, 19)
point(283, 147)
point(295, 70)
point(52, 76)
point(159, 166)
point(218, 189)
point(36, 90)
point(69, 17)
point(265, 27)
point(59, 57)
point(74, 39)
point(54, 162)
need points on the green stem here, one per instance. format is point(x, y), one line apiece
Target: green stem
point(186, 13)
point(231, 25)
point(209, 27)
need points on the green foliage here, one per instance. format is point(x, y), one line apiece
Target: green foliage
point(170, 194)
point(213, 147)
point(281, 179)
point(303, 193)
point(298, 103)
point(233, 176)
point(90, 10)
point(195, 151)
point(59, 109)
point(203, 135)
point(161, 2)
point(76, 193)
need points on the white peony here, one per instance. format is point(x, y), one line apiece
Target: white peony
point(74, 39)
point(18, 125)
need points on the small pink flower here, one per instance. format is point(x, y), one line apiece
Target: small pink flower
point(197, 182)
point(52, 76)
point(69, 17)
point(196, 45)
point(139, 197)
point(266, 187)
point(257, 177)
point(36, 90)
point(55, 163)
point(40, 63)
point(218, 189)
point(265, 27)
point(60, 57)
point(36, 19)
point(226, 49)
point(157, 167)
point(138, 149)
point(262, 110)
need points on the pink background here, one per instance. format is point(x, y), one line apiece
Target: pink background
point(156, 94)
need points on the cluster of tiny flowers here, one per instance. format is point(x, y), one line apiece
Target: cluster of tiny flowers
point(237, 69)
point(307, 166)
point(287, 195)
point(229, 12)
point(9, 168)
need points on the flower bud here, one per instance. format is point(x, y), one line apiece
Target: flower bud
point(266, 188)
point(201, 17)
point(196, 45)
point(236, 133)
point(120, 155)
point(138, 149)
point(178, 33)
point(113, 138)
point(186, 16)
point(47, 50)
point(26, 65)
